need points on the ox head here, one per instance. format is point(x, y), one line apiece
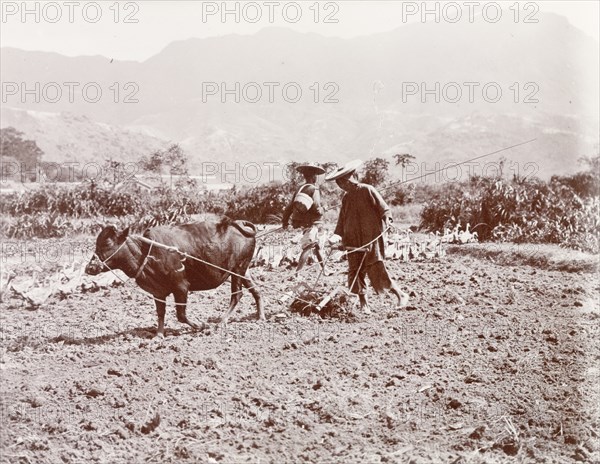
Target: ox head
point(109, 243)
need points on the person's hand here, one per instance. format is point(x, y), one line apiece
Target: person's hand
point(335, 238)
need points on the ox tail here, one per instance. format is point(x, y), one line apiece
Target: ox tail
point(245, 227)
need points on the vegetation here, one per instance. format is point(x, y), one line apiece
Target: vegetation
point(16, 151)
point(563, 210)
point(375, 172)
point(172, 159)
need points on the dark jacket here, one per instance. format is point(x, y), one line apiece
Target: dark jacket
point(362, 219)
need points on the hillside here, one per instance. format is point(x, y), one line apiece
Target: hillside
point(371, 111)
point(76, 138)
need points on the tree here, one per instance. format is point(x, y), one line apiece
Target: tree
point(112, 171)
point(330, 193)
point(403, 159)
point(152, 163)
point(586, 183)
point(25, 153)
point(329, 166)
point(294, 177)
point(173, 158)
point(375, 172)
point(592, 163)
point(398, 195)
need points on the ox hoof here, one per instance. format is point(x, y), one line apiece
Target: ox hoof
point(403, 301)
point(223, 331)
point(197, 327)
point(159, 336)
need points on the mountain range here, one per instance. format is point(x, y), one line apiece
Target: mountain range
point(369, 100)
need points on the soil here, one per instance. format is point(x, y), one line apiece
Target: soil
point(489, 363)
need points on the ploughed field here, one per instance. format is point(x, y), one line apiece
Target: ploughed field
point(489, 363)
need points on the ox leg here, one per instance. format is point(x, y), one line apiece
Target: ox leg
point(181, 305)
point(160, 312)
point(251, 286)
point(236, 295)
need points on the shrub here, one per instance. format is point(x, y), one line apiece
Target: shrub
point(519, 211)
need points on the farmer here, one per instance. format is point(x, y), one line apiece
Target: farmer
point(363, 220)
point(306, 212)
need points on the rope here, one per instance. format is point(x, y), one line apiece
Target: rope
point(346, 252)
point(264, 234)
point(358, 271)
point(176, 250)
point(129, 280)
point(141, 269)
point(116, 251)
point(354, 250)
point(443, 169)
point(458, 164)
point(147, 240)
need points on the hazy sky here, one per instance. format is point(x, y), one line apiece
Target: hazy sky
point(159, 23)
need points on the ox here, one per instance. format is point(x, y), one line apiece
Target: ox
point(161, 272)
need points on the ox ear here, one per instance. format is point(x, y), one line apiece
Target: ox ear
point(125, 233)
point(108, 231)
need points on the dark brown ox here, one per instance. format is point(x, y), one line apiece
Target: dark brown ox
point(161, 272)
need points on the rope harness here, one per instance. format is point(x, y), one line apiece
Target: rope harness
point(140, 270)
point(115, 252)
point(146, 259)
point(363, 248)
